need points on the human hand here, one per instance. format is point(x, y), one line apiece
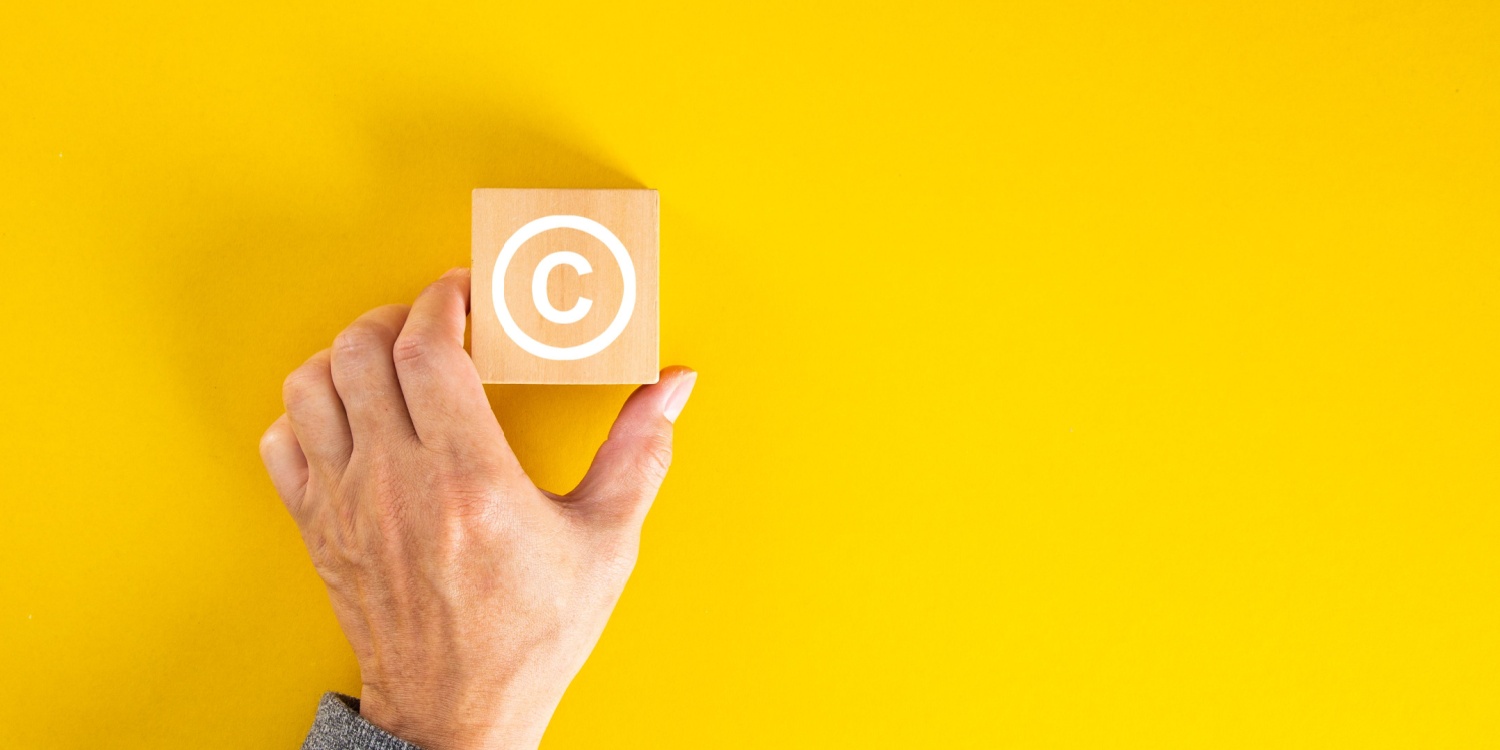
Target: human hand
point(471, 597)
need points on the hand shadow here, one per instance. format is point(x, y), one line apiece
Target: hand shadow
point(252, 283)
point(272, 281)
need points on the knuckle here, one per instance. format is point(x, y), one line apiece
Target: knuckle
point(359, 338)
point(412, 346)
point(655, 459)
point(300, 385)
point(270, 439)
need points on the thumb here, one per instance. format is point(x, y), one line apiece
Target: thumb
point(630, 466)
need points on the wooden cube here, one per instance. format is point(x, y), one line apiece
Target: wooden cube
point(565, 286)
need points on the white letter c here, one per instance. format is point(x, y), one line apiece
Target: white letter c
point(539, 287)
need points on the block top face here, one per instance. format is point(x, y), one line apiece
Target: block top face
point(565, 286)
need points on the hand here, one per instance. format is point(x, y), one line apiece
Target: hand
point(470, 596)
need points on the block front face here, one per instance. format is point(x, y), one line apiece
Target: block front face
point(565, 286)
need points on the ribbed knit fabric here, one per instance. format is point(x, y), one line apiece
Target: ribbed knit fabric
point(339, 726)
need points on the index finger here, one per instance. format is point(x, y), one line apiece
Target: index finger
point(442, 388)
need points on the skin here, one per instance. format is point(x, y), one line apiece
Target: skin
point(471, 597)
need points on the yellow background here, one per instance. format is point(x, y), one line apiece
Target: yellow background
point(1074, 375)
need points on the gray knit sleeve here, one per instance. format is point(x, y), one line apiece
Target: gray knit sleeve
point(339, 726)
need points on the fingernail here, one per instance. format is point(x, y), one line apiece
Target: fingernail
point(679, 396)
point(455, 272)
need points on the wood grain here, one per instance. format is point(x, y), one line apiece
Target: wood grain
point(632, 216)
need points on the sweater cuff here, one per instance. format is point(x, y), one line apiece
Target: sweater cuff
point(339, 726)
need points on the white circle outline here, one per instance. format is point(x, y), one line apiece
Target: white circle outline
point(627, 302)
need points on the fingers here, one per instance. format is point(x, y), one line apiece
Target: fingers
point(316, 413)
point(365, 377)
point(443, 393)
point(285, 463)
point(631, 465)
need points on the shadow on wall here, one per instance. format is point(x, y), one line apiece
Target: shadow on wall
point(267, 283)
point(251, 282)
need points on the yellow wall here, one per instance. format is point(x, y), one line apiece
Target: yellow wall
point(1074, 375)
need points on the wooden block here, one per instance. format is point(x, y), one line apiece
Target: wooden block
point(565, 286)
